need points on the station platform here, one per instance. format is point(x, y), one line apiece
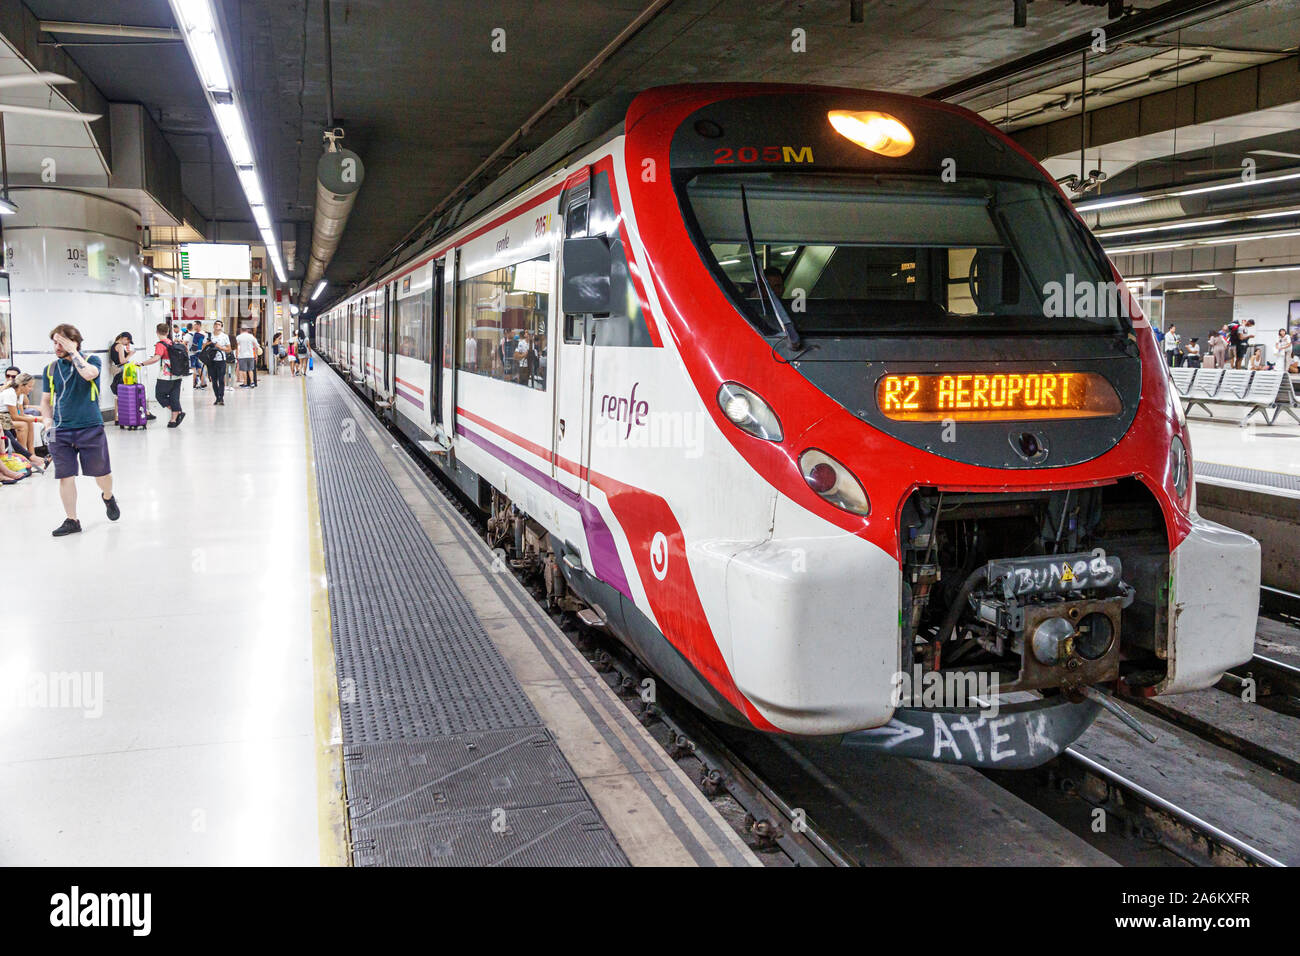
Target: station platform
point(1258, 457)
point(292, 650)
point(1249, 479)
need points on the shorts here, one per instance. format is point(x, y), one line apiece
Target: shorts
point(195, 364)
point(89, 445)
point(245, 364)
point(168, 393)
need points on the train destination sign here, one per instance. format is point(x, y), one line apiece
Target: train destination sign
point(996, 396)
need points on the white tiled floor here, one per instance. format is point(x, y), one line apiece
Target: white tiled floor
point(192, 613)
point(1266, 447)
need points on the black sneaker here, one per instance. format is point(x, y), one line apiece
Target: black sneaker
point(150, 417)
point(110, 506)
point(172, 424)
point(180, 418)
point(69, 526)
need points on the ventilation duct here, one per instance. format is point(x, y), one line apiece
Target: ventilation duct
point(1157, 210)
point(339, 174)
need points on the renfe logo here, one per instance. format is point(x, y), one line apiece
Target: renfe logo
point(627, 410)
point(102, 909)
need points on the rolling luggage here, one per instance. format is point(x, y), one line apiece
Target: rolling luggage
point(131, 408)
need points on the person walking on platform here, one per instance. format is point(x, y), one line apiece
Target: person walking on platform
point(246, 349)
point(195, 342)
point(218, 355)
point(303, 349)
point(175, 366)
point(74, 425)
point(1283, 347)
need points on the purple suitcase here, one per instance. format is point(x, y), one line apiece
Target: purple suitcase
point(131, 410)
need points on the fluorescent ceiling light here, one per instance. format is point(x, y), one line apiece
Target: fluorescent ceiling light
point(1109, 203)
point(252, 186)
point(1185, 275)
point(262, 218)
point(1124, 250)
point(231, 124)
point(194, 14)
point(1173, 225)
point(1273, 215)
point(207, 57)
point(1236, 184)
point(1256, 270)
point(1250, 238)
point(319, 289)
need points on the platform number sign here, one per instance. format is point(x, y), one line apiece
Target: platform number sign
point(75, 260)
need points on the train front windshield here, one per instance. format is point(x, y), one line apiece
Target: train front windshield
point(861, 254)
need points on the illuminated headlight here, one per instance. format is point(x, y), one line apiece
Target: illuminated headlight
point(748, 412)
point(1178, 466)
point(873, 131)
point(833, 481)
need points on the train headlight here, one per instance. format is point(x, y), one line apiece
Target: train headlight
point(1179, 466)
point(748, 412)
point(873, 131)
point(833, 481)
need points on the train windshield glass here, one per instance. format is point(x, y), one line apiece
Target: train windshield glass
point(871, 254)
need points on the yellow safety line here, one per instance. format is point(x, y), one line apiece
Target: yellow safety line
point(332, 818)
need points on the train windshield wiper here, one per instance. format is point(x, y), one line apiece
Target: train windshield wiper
point(765, 293)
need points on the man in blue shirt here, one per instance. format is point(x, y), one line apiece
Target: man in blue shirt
point(74, 427)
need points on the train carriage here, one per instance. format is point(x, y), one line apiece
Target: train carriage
point(816, 398)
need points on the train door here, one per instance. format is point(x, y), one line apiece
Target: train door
point(571, 436)
point(366, 317)
point(350, 341)
point(452, 343)
point(436, 345)
point(390, 341)
point(354, 335)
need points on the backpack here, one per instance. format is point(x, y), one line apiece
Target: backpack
point(177, 358)
point(196, 344)
point(1160, 336)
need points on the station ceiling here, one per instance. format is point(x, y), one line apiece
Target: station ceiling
point(424, 99)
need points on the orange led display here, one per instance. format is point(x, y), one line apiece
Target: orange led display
point(993, 397)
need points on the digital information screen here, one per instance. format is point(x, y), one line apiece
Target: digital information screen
point(215, 260)
point(992, 397)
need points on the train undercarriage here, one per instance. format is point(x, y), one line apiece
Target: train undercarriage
point(1051, 591)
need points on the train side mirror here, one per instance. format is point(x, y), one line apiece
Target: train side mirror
point(586, 275)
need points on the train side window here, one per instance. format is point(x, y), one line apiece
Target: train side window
point(573, 326)
point(501, 320)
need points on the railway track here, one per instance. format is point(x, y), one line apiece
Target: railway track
point(782, 832)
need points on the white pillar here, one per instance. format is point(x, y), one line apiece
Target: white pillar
point(73, 257)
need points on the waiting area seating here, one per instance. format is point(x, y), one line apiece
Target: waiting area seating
point(1268, 393)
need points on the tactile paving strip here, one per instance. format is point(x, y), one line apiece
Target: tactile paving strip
point(1249, 476)
point(446, 761)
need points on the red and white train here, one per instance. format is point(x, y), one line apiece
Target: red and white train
point(831, 408)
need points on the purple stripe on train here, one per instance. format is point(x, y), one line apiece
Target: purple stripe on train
point(411, 398)
point(606, 564)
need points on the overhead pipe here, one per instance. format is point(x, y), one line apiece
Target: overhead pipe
point(339, 174)
point(119, 30)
